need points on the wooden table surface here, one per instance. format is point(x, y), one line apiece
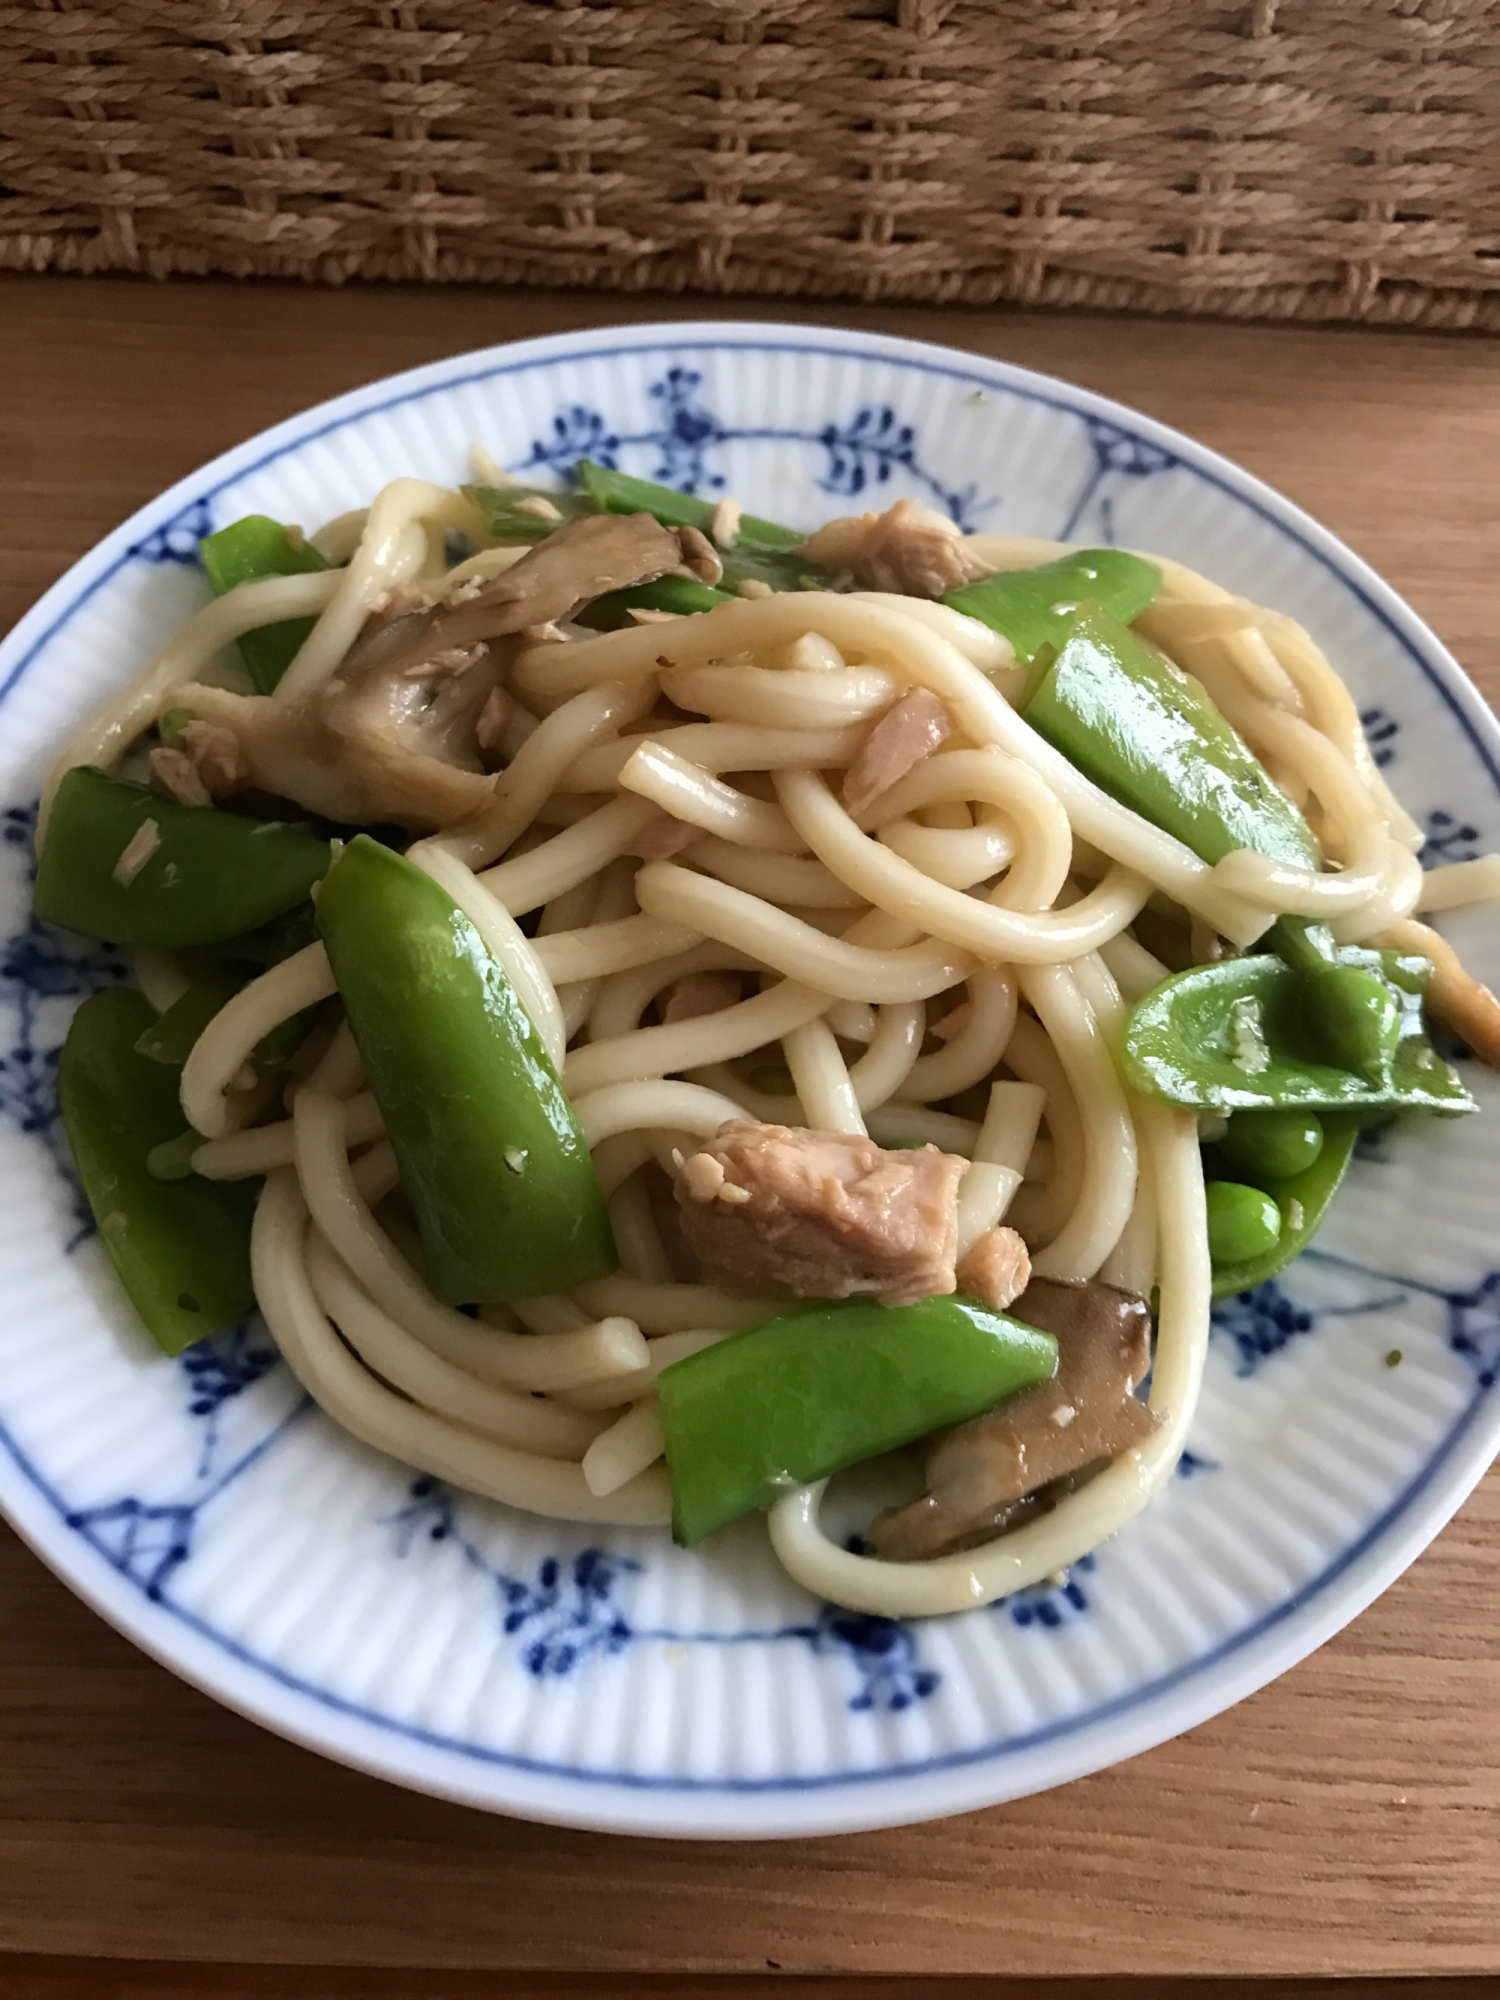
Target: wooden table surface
point(1345, 1820)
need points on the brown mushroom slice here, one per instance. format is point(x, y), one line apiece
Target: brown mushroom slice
point(395, 736)
point(980, 1474)
point(822, 1215)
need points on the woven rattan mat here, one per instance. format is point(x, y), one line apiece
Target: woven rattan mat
point(1333, 159)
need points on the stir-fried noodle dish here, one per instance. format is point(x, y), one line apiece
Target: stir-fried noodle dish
point(656, 1009)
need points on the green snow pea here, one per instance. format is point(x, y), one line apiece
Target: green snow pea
point(243, 553)
point(490, 1153)
point(1302, 1199)
point(816, 1390)
point(208, 876)
point(763, 551)
point(682, 595)
point(181, 1248)
point(500, 509)
point(1147, 734)
point(617, 493)
point(170, 1036)
point(1237, 1033)
point(1035, 607)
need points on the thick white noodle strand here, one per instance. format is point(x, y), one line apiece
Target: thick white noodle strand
point(891, 1054)
point(362, 1406)
point(392, 548)
point(529, 1423)
point(230, 1038)
point(619, 1454)
point(110, 730)
point(570, 857)
point(344, 1217)
point(1000, 1154)
point(685, 790)
point(239, 1155)
point(1107, 1193)
point(821, 1079)
point(1457, 885)
point(975, 1049)
point(532, 775)
point(843, 970)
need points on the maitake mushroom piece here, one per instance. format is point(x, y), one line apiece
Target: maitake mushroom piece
point(394, 737)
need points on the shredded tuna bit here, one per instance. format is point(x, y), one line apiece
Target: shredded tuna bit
point(136, 852)
point(663, 837)
point(724, 523)
point(822, 1214)
point(897, 743)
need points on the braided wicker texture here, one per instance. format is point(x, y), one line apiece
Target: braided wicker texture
point(1334, 159)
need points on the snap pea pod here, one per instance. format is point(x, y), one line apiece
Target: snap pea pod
point(206, 876)
point(490, 1153)
point(1147, 734)
point(1035, 607)
point(244, 552)
point(617, 493)
point(762, 552)
point(1302, 1200)
point(500, 509)
point(1238, 1033)
point(680, 595)
point(809, 1393)
point(170, 1037)
point(181, 1248)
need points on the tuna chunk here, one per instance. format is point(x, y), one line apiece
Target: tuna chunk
point(907, 549)
point(822, 1215)
point(896, 744)
point(980, 1475)
point(995, 1268)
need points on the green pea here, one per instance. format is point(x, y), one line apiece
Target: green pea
point(1356, 1020)
point(1272, 1145)
point(1243, 1222)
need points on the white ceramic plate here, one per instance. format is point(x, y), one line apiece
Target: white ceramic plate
point(608, 1680)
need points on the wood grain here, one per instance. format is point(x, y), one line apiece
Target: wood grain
point(1343, 1821)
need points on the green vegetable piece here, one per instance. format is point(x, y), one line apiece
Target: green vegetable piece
point(170, 1037)
point(490, 1152)
point(1303, 1199)
point(1272, 1145)
point(678, 594)
point(1236, 1035)
point(244, 553)
point(208, 875)
point(1243, 1222)
point(814, 1391)
point(269, 943)
point(1355, 1019)
point(182, 1249)
point(1148, 734)
point(1035, 607)
point(617, 493)
point(498, 507)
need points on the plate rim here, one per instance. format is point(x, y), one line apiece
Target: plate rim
point(845, 1801)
